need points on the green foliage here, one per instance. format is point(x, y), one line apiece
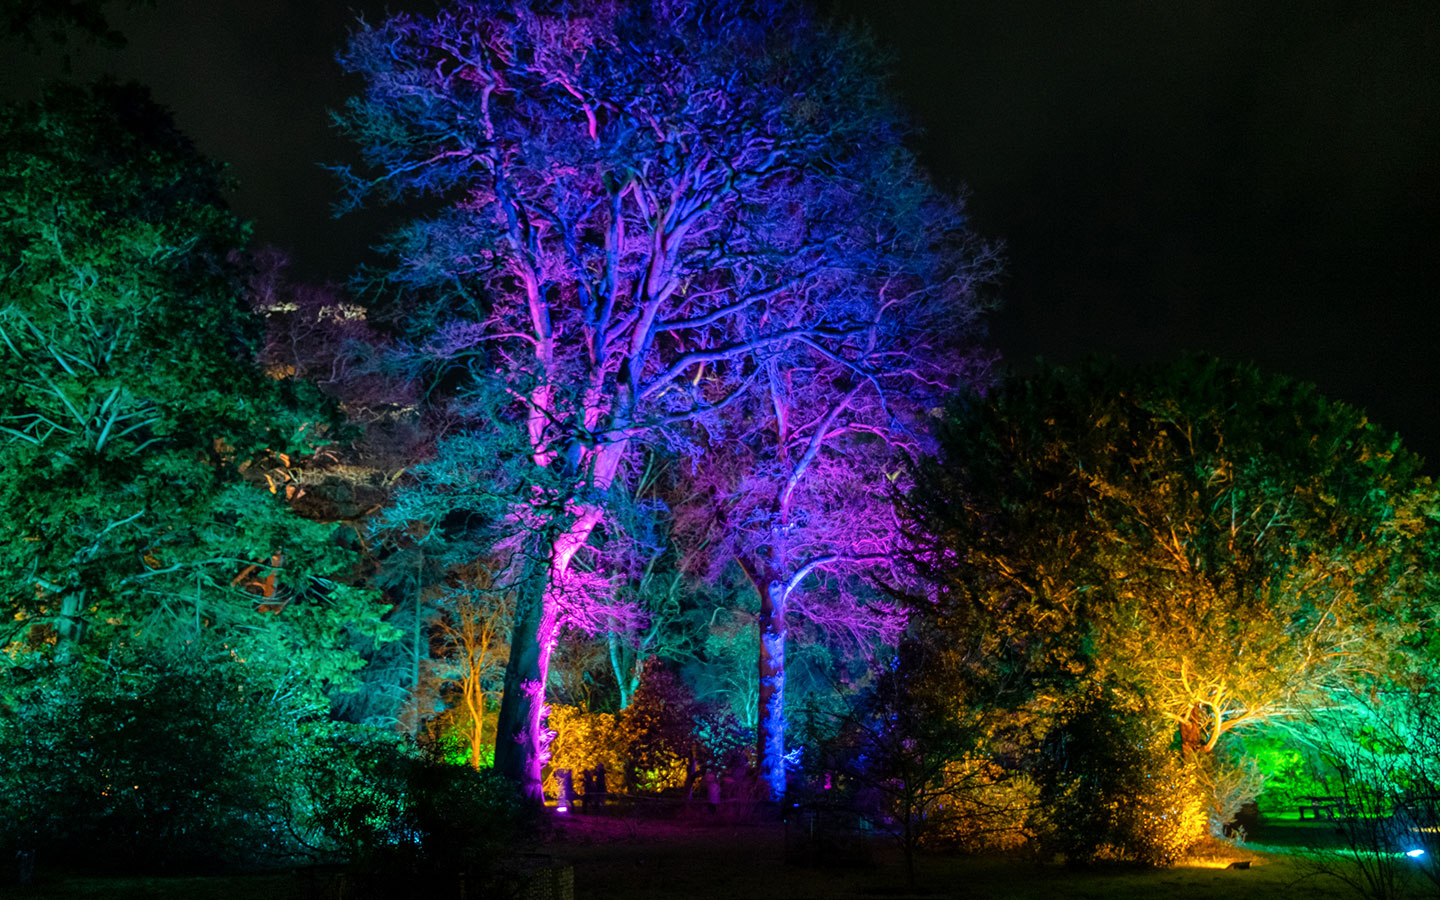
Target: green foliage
point(151, 764)
point(1109, 789)
point(135, 429)
point(451, 739)
point(1377, 756)
point(1288, 769)
point(406, 819)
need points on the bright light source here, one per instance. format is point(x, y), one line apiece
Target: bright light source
point(1415, 854)
point(562, 808)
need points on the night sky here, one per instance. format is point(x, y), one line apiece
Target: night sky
point(1254, 179)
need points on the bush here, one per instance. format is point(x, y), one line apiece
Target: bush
point(659, 732)
point(582, 741)
point(406, 819)
point(1109, 788)
point(648, 746)
point(150, 765)
point(204, 764)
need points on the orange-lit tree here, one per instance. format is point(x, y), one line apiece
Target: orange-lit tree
point(472, 625)
point(1222, 545)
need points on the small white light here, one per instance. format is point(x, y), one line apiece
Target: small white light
point(563, 808)
point(1415, 854)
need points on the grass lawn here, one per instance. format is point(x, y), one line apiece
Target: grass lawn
point(616, 860)
point(620, 859)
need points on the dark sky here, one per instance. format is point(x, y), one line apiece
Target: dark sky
point(1256, 179)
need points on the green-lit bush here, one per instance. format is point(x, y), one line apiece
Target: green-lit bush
point(1110, 789)
point(206, 763)
point(407, 819)
point(147, 765)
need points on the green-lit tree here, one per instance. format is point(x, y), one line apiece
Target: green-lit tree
point(136, 431)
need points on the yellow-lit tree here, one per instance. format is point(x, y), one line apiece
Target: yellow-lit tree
point(473, 621)
point(1222, 545)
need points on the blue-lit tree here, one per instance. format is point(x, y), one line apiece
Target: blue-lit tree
point(641, 206)
point(799, 488)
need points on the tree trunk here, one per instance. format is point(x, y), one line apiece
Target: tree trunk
point(770, 735)
point(518, 737)
point(521, 740)
point(475, 705)
point(70, 627)
point(624, 670)
point(1192, 738)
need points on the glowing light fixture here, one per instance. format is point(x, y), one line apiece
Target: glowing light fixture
point(1415, 854)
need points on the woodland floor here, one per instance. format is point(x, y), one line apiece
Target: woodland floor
point(630, 859)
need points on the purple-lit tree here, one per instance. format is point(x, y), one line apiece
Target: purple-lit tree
point(641, 206)
point(801, 492)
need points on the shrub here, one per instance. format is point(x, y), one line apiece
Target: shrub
point(649, 745)
point(659, 732)
point(201, 764)
point(1230, 779)
point(406, 819)
point(582, 741)
point(1109, 788)
point(158, 765)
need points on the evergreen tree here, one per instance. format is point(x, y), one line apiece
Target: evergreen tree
point(137, 436)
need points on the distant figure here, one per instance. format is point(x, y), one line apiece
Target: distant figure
point(595, 792)
point(712, 790)
point(25, 866)
point(566, 779)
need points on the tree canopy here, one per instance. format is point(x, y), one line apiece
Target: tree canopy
point(1220, 544)
point(135, 428)
point(636, 209)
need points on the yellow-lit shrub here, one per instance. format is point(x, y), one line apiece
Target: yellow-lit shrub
point(582, 741)
point(985, 808)
point(1109, 787)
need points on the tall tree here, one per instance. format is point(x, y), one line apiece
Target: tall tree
point(1224, 545)
point(639, 203)
point(800, 489)
point(135, 427)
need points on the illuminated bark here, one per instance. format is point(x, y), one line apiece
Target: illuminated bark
point(638, 230)
point(771, 731)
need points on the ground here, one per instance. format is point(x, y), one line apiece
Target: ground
point(620, 860)
point(632, 859)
